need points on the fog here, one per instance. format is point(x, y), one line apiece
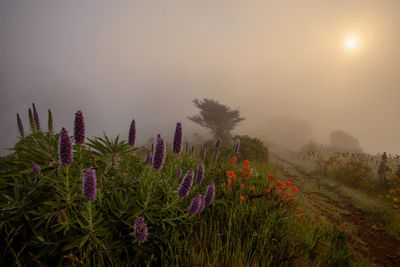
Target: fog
point(276, 61)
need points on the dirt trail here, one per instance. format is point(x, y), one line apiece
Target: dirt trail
point(376, 245)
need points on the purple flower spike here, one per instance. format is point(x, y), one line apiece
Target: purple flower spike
point(178, 140)
point(159, 154)
point(36, 118)
point(237, 145)
point(186, 184)
point(79, 128)
point(218, 144)
point(148, 157)
point(194, 206)
point(89, 184)
point(20, 126)
point(200, 173)
point(209, 196)
point(201, 207)
point(35, 167)
point(65, 148)
point(179, 172)
point(140, 230)
point(132, 133)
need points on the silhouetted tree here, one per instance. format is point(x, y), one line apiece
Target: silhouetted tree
point(342, 141)
point(219, 118)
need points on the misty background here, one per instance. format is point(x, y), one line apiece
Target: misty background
point(281, 63)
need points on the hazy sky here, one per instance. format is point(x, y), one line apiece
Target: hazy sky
point(118, 60)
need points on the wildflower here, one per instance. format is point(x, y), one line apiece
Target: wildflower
point(35, 167)
point(132, 134)
point(20, 126)
point(237, 145)
point(50, 122)
point(209, 196)
point(179, 172)
point(200, 173)
point(298, 208)
point(178, 140)
point(288, 183)
point(271, 177)
point(65, 148)
point(159, 153)
point(294, 189)
point(89, 184)
point(218, 144)
point(268, 190)
point(242, 185)
point(148, 157)
point(201, 207)
point(79, 128)
point(241, 197)
point(194, 206)
point(140, 230)
point(31, 121)
point(36, 117)
point(186, 184)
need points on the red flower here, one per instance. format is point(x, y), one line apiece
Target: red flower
point(298, 208)
point(241, 197)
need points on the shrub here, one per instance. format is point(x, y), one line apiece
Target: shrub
point(252, 149)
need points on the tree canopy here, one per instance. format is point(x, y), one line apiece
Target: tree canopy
point(219, 118)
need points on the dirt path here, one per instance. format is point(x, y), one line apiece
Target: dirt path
point(371, 243)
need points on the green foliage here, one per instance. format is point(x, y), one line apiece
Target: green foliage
point(351, 168)
point(46, 221)
point(252, 149)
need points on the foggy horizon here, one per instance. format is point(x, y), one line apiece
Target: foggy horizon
point(276, 62)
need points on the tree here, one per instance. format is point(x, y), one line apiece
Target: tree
point(342, 141)
point(219, 118)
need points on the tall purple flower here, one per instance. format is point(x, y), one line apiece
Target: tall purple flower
point(35, 167)
point(218, 143)
point(186, 184)
point(209, 196)
point(159, 153)
point(237, 145)
point(65, 148)
point(132, 133)
point(79, 128)
point(36, 117)
point(140, 230)
point(178, 140)
point(201, 207)
point(148, 157)
point(194, 206)
point(200, 173)
point(20, 126)
point(89, 188)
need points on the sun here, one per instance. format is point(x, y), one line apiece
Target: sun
point(351, 43)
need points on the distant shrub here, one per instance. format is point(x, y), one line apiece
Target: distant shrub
point(351, 168)
point(252, 149)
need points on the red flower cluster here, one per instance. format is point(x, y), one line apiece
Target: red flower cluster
point(246, 170)
point(284, 189)
point(231, 177)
